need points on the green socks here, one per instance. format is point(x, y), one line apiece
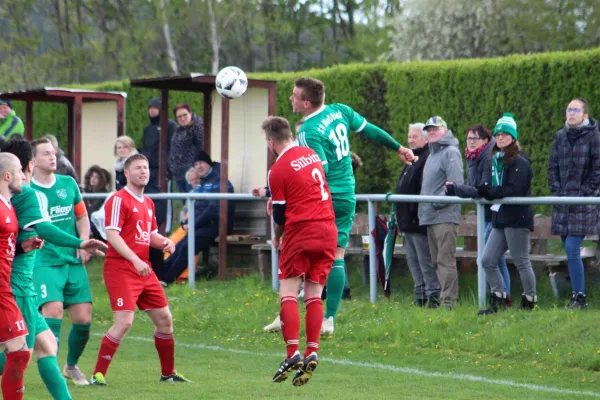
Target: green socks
point(53, 379)
point(2, 361)
point(55, 324)
point(78, 338)
point(335, 288)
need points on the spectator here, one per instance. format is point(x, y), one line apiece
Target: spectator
point(441, 219)
point(10, 124)
point(96, 180)
point(512, 224)
point(193, 179)
point(186, 145)
point(418, 256)
point(574, 170)
point(206, 217)
point(479, 170)
point(63, 165)
point(124, 147)
point(151, 149)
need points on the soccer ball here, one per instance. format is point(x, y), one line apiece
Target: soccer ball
point(231, 82)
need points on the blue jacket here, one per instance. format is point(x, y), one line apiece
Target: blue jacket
point(207, 211)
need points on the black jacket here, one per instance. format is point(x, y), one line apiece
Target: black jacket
point(479, 172)
point(150, 145)
point(410, 183)
point(516, 182)
point(186, 144)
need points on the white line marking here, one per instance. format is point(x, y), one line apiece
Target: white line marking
point(405, 370)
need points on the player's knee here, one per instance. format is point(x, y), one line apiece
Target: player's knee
point(164, 321)
point(54, 309)
point(81, 313)
point(45, 345)
point(339, 253)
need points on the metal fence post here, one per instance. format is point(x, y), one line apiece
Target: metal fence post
point(372, 254)
point(191, 236)
point(481, 286)
point(274, 260)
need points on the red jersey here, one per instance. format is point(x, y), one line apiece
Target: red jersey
point(9, 229)
point(134, 217)
point(297, 180)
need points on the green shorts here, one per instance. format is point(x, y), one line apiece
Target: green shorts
point(36, 323)
point(68, 284)
point(344, 207)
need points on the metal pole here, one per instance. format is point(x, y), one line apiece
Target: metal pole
point(191, 236)
point(372, 254)
point(481, 286)
point(274, 260)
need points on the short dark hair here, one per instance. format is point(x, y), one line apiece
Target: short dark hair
point(20, 148)
point(132, 158)
point(313, 90)
point(180, 106)
point(38, 142)
point(584, 102)
point(277, 128)
point(481, 131)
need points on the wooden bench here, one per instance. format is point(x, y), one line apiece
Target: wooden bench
point(466, 256)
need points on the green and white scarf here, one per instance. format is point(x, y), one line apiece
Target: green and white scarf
point(497, 168)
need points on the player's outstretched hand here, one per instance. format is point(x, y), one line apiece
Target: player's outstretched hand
point(270, 207)
point(31, 244)
point(93, 246)
point(142, 268)
point(168, 246)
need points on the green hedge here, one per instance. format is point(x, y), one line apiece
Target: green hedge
point(465, 92)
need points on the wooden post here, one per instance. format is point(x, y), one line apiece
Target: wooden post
point(207, 114)
point(120, 116)
point(163, 154)
point(223, 186)
point(29, 120)
point(77, 108)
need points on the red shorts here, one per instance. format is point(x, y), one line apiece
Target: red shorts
point(126, 287)
point(12, 324)
point(308, 251)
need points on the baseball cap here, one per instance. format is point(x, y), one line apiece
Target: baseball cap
point(435, 121)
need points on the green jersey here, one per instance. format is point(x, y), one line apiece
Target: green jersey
point(327, 130)
point(30, 207)
point(63, 195)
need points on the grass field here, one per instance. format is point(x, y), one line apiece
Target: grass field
point(390, 350)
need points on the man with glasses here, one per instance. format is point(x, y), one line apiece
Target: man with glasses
point(444, 164)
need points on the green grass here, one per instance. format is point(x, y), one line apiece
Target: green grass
point(549, 347)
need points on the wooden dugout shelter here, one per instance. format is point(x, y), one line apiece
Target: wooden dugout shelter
point(223, 120)
point(92, 118)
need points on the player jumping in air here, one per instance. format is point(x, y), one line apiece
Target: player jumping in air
point(302, 209)
point(131, 230)
point(35, 226)
point(60, 275)
point(326, 130)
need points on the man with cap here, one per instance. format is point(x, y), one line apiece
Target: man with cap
point(444, 164)
point(10, 124)
point(206, 217)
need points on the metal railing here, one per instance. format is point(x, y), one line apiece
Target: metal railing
point(371, 199)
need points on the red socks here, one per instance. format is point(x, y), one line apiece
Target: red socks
point(314, 319)
point(290, 323)
point(14, 374)
point(165, 346)
point(107, 351)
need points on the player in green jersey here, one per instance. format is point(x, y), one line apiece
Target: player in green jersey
point(35, 226)
point(59, 274)
point(326, 130)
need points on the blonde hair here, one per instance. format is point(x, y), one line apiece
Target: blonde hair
point(126, 141)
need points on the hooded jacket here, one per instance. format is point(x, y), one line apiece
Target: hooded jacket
point(410, 183)
point(574, 170)
point(443, 164)
point(151, 142)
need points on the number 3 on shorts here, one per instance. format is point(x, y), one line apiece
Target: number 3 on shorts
point(120, 302)
point(44, 291)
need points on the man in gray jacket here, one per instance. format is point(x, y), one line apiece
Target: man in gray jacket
point(443, 165)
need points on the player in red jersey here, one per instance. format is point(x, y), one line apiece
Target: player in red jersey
point(131, 230)
point(12, 325)
point(302, 209)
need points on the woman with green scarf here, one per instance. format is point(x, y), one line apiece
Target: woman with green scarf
point(512, 224)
